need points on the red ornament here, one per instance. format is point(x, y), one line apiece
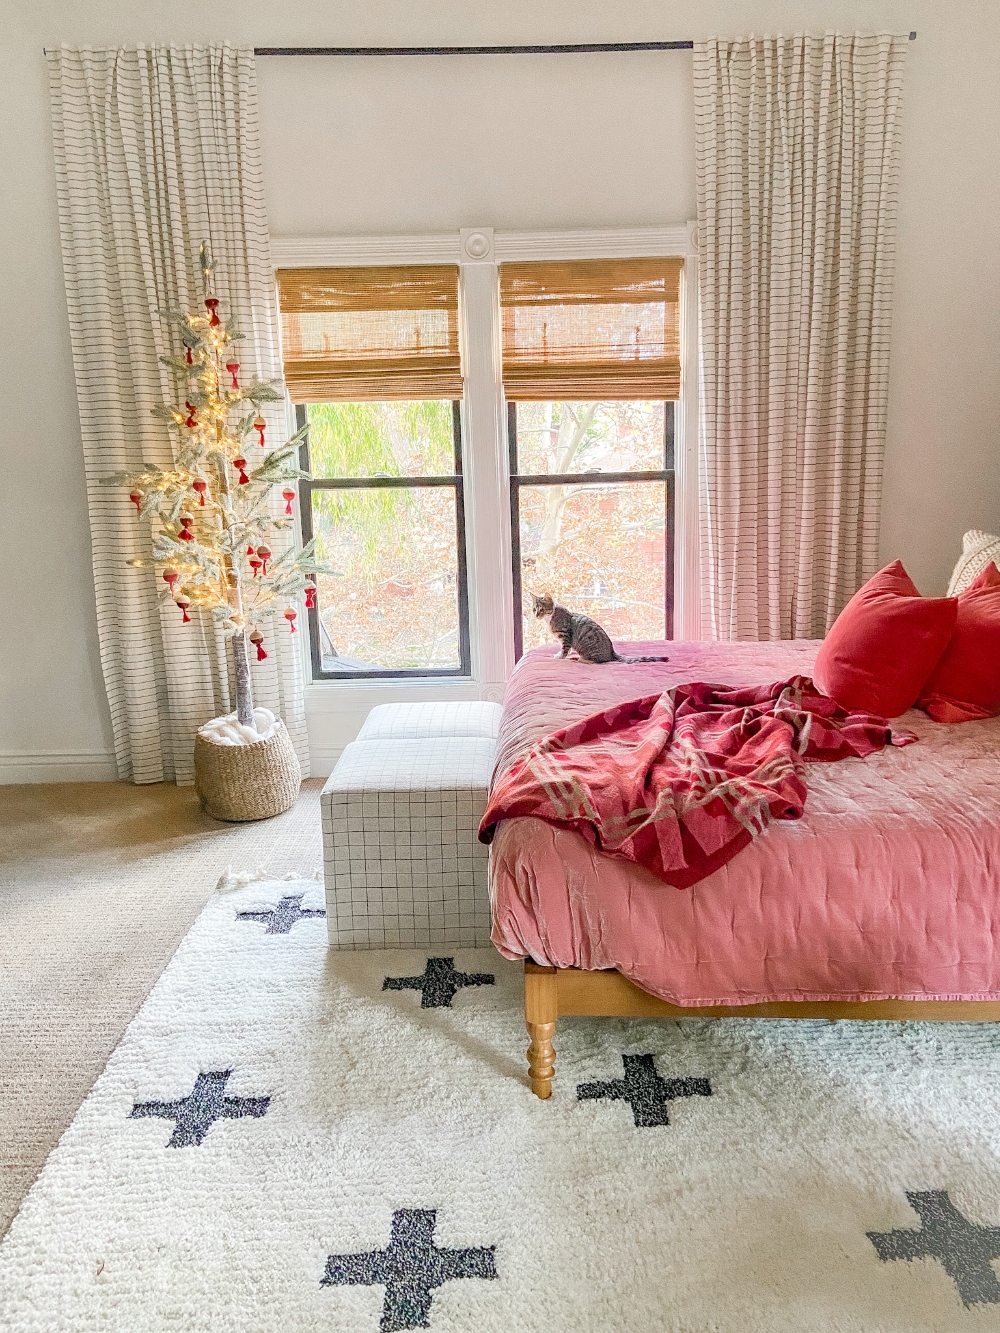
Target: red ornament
point(255, 565)
point(290, 615)
point(265, 554)
point(288, 495)
point(212, 306)
point(241, 465)
point(190, 358)
point(201, 487)
point(233, 367)
point(250, 550)
point(184, 602)
point(258, 424)
point(257, 639)
point(310, 592)
point(185, 534)
point(136, 498)
point(192, 420)
point(170, 577)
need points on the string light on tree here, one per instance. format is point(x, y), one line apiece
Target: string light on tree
point(217, 556)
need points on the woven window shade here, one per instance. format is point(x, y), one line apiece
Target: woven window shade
point(588, 330)
point(366, 334)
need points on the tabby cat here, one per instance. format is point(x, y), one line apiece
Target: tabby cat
point(591, 640)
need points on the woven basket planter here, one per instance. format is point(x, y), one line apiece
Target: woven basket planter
point(239, 783)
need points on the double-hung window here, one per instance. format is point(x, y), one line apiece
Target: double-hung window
point(372, 364)
point(591, 369)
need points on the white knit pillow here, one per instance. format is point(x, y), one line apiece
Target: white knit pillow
point(978, 549)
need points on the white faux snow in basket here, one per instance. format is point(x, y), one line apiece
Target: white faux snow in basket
point(228, 730)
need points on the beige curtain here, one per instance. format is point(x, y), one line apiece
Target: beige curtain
point(157, 150)
point(797, 161)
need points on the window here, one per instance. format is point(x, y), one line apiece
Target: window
point(371, 358)
point(591, 362)
point(385, 504)
point(592, 514)
point(439, 511)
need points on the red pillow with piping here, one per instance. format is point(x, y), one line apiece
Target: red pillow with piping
point(884, 644)
point(965, 684)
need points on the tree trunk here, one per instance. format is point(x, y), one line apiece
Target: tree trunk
point(232, 586)
point(241, 671)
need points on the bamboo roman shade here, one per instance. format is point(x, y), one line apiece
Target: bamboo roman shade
point(365, 334)
point(588, 330)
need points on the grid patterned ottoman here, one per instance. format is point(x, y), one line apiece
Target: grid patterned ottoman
point(402, 863)
point(410, 721)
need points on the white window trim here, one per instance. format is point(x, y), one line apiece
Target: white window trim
point(335, 710)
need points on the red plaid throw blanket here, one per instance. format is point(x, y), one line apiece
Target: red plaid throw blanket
point(680, 782)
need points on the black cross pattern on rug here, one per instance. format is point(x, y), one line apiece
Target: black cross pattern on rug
point(439, 983)
point(279, 920)
point(644, 1090)
point(963, 1248)
point(409, 1269)
point(195, 1114)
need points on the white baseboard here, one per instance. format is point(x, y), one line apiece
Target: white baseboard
point(323, 762)
point(99, 765)
point(57, 766)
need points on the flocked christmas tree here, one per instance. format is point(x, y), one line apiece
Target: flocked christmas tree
point(212, 512)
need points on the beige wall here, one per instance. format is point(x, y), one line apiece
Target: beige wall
point(419, 145)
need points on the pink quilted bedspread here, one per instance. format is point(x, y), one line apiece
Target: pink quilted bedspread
point(888, 886)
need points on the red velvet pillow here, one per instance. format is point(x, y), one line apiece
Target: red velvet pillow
point(965, 684)
point(884, 644)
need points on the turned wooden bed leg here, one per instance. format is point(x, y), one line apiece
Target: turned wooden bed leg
point(541, 1058)
point(541, 1009)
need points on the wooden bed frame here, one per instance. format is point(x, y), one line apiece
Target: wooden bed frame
point(552, 992)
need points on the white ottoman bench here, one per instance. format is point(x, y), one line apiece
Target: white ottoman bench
point(402, 863)
point(398, 722)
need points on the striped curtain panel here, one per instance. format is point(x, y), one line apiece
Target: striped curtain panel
point(797, 162)
point(157, 150)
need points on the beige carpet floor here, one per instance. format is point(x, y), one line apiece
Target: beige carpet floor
point(99, 883)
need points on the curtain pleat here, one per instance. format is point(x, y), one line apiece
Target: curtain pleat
point(157, 150)
point(797, 146)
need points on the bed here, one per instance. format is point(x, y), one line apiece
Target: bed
point(882, 902)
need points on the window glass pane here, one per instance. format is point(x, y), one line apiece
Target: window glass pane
point(596, 549)
point(381, 439)
point(393, 603)
point(579, 437)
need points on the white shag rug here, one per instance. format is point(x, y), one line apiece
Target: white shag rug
point(282, 1142)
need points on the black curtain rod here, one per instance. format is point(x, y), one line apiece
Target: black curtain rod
point(575, 49)
point(567, 49)
point(467, 50)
